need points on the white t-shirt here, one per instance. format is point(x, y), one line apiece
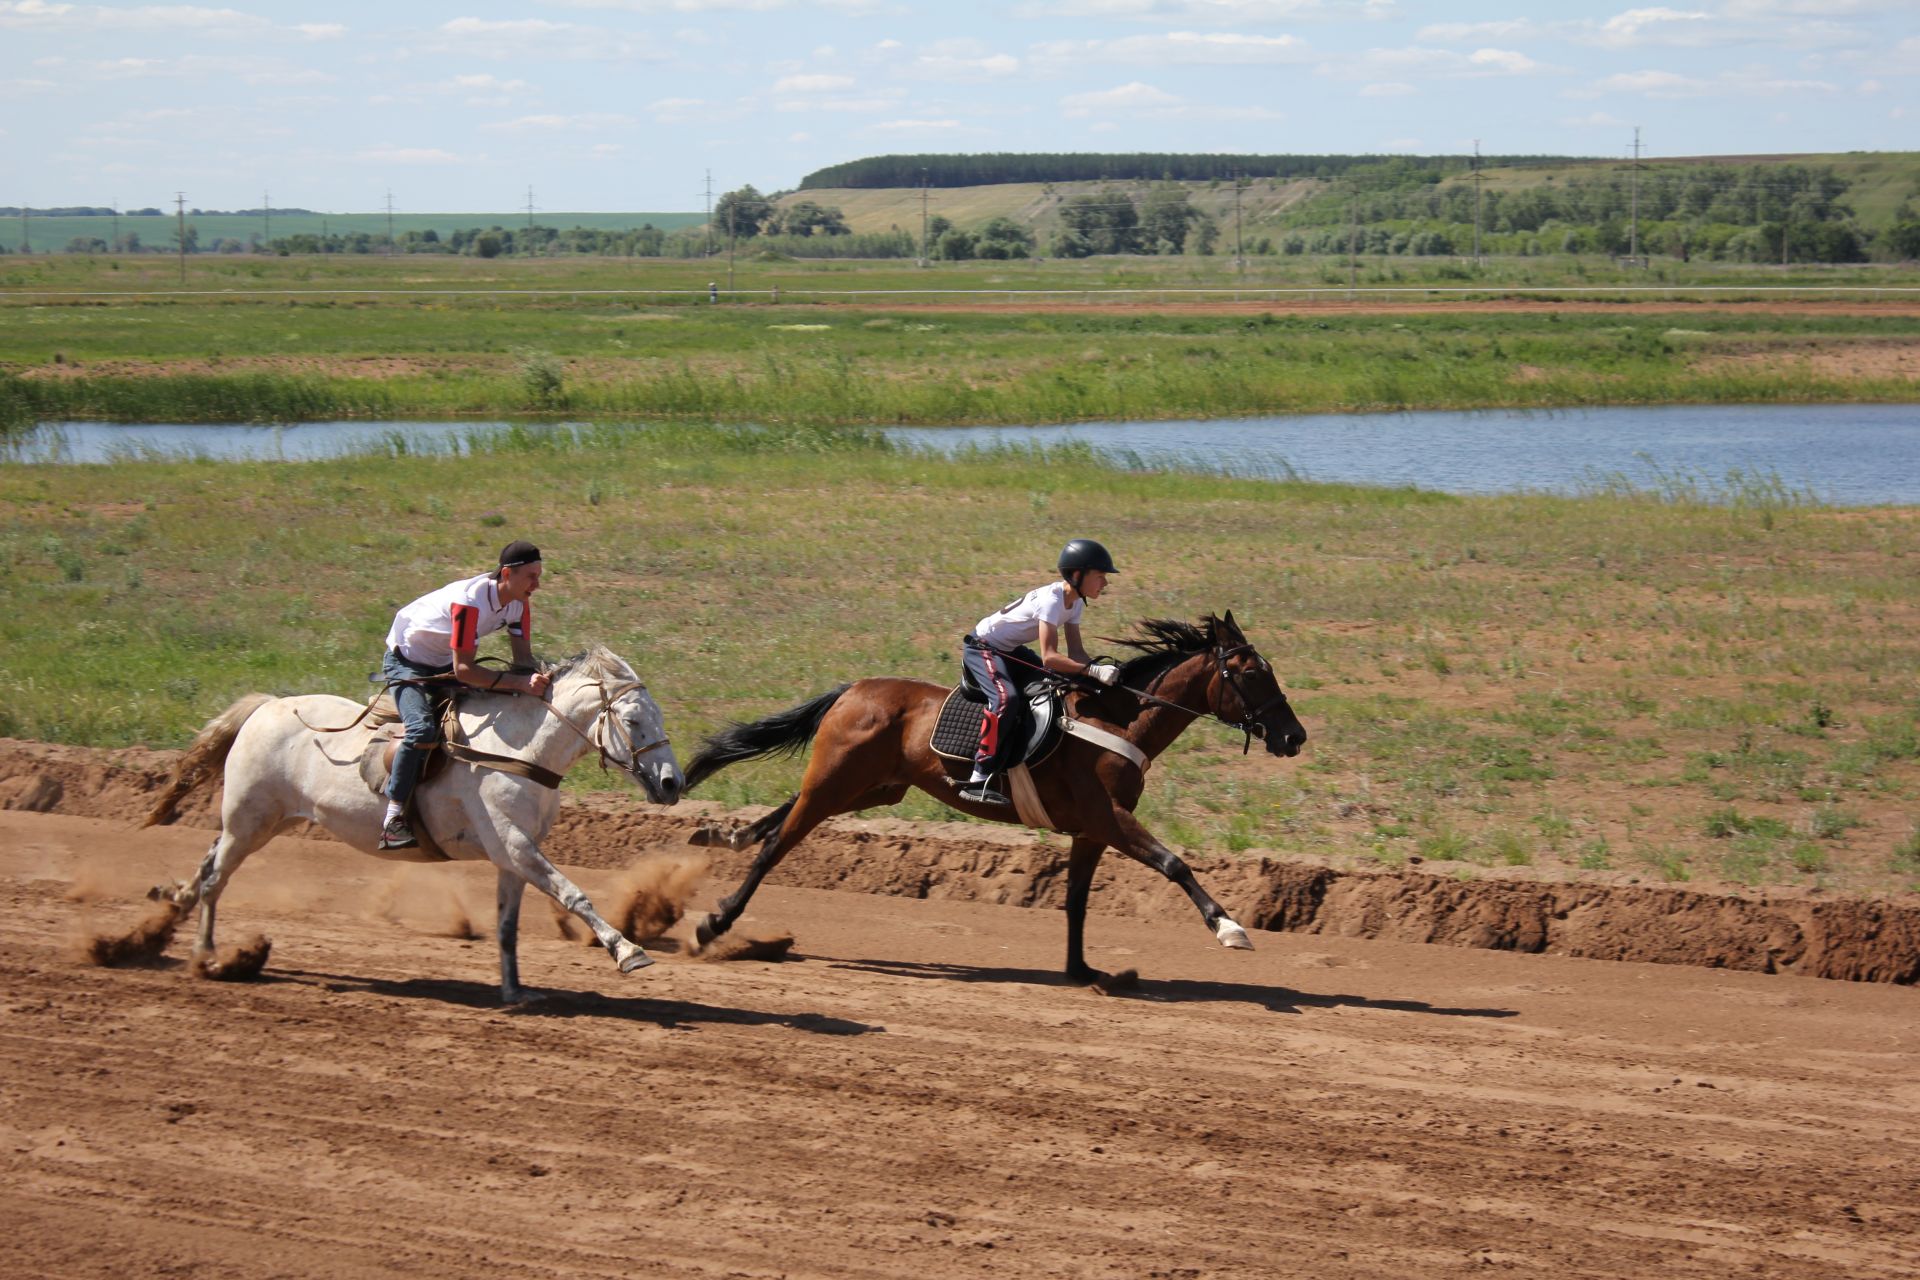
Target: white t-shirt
point(1019, 623)
point(455, 617)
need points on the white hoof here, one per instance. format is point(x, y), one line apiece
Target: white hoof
point(1232, 935)
point(630, 957)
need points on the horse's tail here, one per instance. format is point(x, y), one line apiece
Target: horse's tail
point(205, 756)
point(783, 733)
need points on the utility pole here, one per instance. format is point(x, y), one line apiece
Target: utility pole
point(924, 251)
point(1476, 202)
point(709, 213)
point(180, 212)
point(1353, 247)
point(529, 210)
point(266, 217)
point(730, 244)
point(26, 243)
point(1633, 233)
point(1239, 241)
point(389, 222)
point(116, 225)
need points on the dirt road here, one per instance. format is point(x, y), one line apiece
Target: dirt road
point(916, 1095)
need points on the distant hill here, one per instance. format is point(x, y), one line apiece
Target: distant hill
point(999, 168)
point(1842, 205)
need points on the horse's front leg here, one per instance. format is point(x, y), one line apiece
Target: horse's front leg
point(511, 850)
point(1134, 840)
point(507, 930)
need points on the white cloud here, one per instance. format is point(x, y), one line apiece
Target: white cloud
point(945, 67)
point(586, 121)
point(1184, 47)
point(1138, 99)
point(321, 30)
point(1669, 84)
point(1127, 97)
point(1388, 89)
point(1402, 65)
point(915, 126)
point(1207, 11)
point(537, 38)
point(813, 84)
point(1594, 120)
point(408, 155)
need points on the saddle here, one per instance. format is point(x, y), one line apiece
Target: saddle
point(1033, 721)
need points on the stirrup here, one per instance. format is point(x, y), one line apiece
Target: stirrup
point(983, 793)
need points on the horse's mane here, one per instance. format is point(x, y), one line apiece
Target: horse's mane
point(597, 663)
point(1164, 643)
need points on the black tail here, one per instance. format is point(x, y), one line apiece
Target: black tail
point(784, 733)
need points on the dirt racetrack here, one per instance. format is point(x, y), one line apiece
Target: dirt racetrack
point(914, 1095)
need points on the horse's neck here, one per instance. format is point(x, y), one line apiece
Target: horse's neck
point(1157, 725)
point(554, 745)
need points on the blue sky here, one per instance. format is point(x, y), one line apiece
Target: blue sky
point(627, 104)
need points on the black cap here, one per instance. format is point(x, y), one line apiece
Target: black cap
point(517, 553)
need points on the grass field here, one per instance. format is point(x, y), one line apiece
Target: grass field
point(264, 339)
point(1625, 686)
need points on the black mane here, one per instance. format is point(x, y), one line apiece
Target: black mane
point(1163, 643)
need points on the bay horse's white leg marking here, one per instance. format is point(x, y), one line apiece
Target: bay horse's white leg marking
point(1232, 935)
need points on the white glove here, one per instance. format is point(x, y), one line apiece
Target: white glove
point(1105, 672)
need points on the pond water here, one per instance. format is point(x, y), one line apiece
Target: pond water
point(1847, 454)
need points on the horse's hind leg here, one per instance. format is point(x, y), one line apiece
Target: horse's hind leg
point(803, 813)
point(236, 842)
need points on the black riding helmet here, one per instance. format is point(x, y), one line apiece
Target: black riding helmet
point(1083, 554)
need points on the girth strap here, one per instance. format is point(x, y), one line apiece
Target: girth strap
point(1101, 738)
point(505, 764)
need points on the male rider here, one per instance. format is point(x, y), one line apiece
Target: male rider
point(436, 636)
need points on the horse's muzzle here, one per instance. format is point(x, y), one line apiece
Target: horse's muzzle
point(662, 782)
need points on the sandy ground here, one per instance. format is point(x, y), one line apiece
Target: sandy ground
point(915, 1095)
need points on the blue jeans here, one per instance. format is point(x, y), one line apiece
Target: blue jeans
point(420, 712)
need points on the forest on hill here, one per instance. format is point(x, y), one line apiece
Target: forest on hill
point(997, 168)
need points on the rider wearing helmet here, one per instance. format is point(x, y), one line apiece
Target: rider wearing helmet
point(436, 636)
point(997, 656)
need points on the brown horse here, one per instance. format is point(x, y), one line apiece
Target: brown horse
point(871, 744)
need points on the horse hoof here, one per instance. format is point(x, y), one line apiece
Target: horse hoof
point(1233, 936)
point(637, 960)
point(704, 933)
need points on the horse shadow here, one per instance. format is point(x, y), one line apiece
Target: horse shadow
point(670, 1015)
point(1170, 990)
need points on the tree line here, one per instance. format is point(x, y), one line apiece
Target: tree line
point(1003, 167)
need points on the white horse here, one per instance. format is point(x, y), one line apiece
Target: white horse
point(279, 772)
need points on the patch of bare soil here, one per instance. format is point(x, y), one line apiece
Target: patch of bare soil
point(1783, 931)
point(913, 1092)
point(1851, 360)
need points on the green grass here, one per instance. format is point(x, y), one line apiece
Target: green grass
point(652, 353)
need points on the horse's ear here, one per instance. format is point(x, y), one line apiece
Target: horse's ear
point(1233, 626)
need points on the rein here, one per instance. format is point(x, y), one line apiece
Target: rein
point(1248, 723)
